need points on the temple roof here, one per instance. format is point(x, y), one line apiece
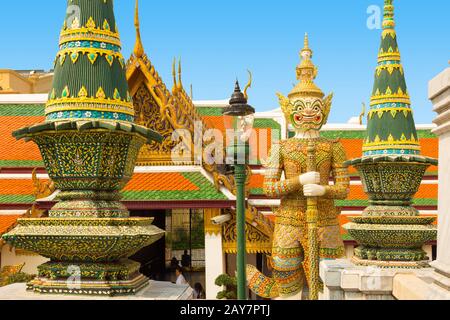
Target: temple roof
point(149, 185)
point(19, 154)
point(167, 187)
point(7, 221)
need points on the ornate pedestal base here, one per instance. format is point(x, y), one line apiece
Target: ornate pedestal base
point(85, 287)
point(391, 232)
point(88, 235)
point(159, 291)
point(88, 255)
point(89, 204)
point(386, 264)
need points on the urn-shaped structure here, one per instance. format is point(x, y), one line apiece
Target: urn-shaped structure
point(391, 232)
point(89, 144)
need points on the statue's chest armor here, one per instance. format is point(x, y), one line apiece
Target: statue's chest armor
point(295, 153)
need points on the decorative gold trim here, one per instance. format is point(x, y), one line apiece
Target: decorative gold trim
point(390, 98)
point(211, 228)
point(98, 51)
point(89, 103)
point(387, 32)
point(391, 145)
point(88, 37)
point(389, 67)
point(261, 247)
point(21, 252)
point(89, 34)
point(393, 111)
point(259, 232)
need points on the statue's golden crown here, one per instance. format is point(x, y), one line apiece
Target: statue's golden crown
point(305, 88)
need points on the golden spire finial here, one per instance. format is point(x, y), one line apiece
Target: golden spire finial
point(174, 74)
point(388, 19)
point(138, 47)
point(180, 83)
point(306, 73)
point(306, 51)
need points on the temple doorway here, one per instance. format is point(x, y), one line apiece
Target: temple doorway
point(152, 258)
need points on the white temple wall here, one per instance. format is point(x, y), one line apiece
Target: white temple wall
point(214, 262)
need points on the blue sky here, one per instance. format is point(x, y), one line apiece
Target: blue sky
point(219, 40)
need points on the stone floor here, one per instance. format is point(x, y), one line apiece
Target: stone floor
point(155, 291)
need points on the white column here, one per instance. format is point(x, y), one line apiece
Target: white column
point(214, 263)
point(439, 94)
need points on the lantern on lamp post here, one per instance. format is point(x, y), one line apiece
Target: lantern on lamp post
point(237, 155)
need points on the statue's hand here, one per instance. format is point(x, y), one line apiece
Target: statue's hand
point(314, 190)
point(310, 178)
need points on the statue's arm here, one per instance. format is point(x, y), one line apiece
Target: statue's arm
point(274, 187)
point(341, 187)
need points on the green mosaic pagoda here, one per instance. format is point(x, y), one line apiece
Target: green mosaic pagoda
point(90, 81)
point(390, 232)
point(89, 144)
point(391, 128)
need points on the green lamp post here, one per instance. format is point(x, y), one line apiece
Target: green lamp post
point(237, 153)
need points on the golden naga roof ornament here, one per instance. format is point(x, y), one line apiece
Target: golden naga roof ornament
point(306, 73)
point(174, 75)
point(180, 83)
point(138, 47)
point(249, 84)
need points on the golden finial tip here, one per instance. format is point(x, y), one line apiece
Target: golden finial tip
point(306, 45)
point(136, 14)
point(138, 47)
point(306, 41)
point(180, 83)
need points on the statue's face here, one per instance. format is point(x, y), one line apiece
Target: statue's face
point(308, 114)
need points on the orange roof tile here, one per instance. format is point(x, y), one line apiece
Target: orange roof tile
point(426, 191)
point(256, 181)
point(160, 182)
point(17, 186)
point(13, 149)
point(218, 122)
point(353, 149)
point(7, 221)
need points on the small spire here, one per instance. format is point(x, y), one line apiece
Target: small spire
point(388, 19)
point(238, 106)
point(306, 73)
point(180, 83)
point(237, 87)
point(174, 74)
point(306, 49)
point(306, 41)
point(237, 97)
point(138, 47)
